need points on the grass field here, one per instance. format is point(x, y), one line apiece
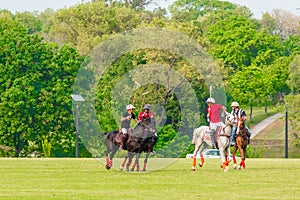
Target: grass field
point(23, 178)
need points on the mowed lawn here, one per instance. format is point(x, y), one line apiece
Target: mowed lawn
point(42, 178)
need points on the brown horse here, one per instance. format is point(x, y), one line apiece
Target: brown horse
point(241, 142)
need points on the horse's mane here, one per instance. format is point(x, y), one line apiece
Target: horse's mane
point(148, 123)
point(242, 126)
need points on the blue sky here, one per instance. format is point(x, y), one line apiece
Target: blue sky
point(257, 6)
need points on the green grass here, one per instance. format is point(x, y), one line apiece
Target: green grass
point(43, 178)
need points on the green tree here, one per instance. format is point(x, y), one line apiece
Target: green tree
point(250, 84)
point(86, 25)
point(192, 10)
point(35, 86)
point(294, 75)
point(29, 21)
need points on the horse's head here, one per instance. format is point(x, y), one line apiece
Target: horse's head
point(229, 119)
point(145, 126)
point(148, 123)
point(145, 122)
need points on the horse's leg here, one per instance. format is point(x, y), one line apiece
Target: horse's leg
point(130, 156)
point(243, 158)
point(233, 155)
point(227, 156)
point(136, 163)
point(107, 166)
point(114, 151)
point(245, 150)
point(108, 150)
point(223, 158)
point(202, 147)
point(197, 146)
point(241, 150)
point(133, 166)
point(146, 160)
point(124, 162)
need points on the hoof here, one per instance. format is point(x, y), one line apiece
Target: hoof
point(107, 167)
point(193, 169)
point(200, 165)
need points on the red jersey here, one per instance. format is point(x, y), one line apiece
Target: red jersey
point(214, 113)
point(144, 115)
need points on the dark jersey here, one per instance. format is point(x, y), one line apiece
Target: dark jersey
point(238, 114)
point(126, 122)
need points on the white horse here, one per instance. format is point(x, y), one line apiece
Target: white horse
point(202, 139)
point(224, 142)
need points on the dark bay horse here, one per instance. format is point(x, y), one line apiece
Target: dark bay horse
point(140, 139)
point(241, 142)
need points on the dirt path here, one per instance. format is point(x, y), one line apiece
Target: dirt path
point(263, 124)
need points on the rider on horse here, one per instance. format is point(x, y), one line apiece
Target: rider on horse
point(146, 114)
point(126, 118)
point(238, 113)
point(214, 118)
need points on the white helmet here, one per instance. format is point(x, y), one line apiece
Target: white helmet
point(210, 100)
point(236, 104)
point(129, 106)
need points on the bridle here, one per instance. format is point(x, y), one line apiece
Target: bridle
point(227, 123)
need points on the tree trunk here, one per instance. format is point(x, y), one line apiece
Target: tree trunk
point(251, 106)
point(17, 144)
point(266, 107)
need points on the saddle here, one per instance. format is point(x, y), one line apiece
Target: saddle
point(119, 137)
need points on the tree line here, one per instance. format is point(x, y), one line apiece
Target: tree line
point(41, 54)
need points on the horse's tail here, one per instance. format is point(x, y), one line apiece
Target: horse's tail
point(194, 136)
